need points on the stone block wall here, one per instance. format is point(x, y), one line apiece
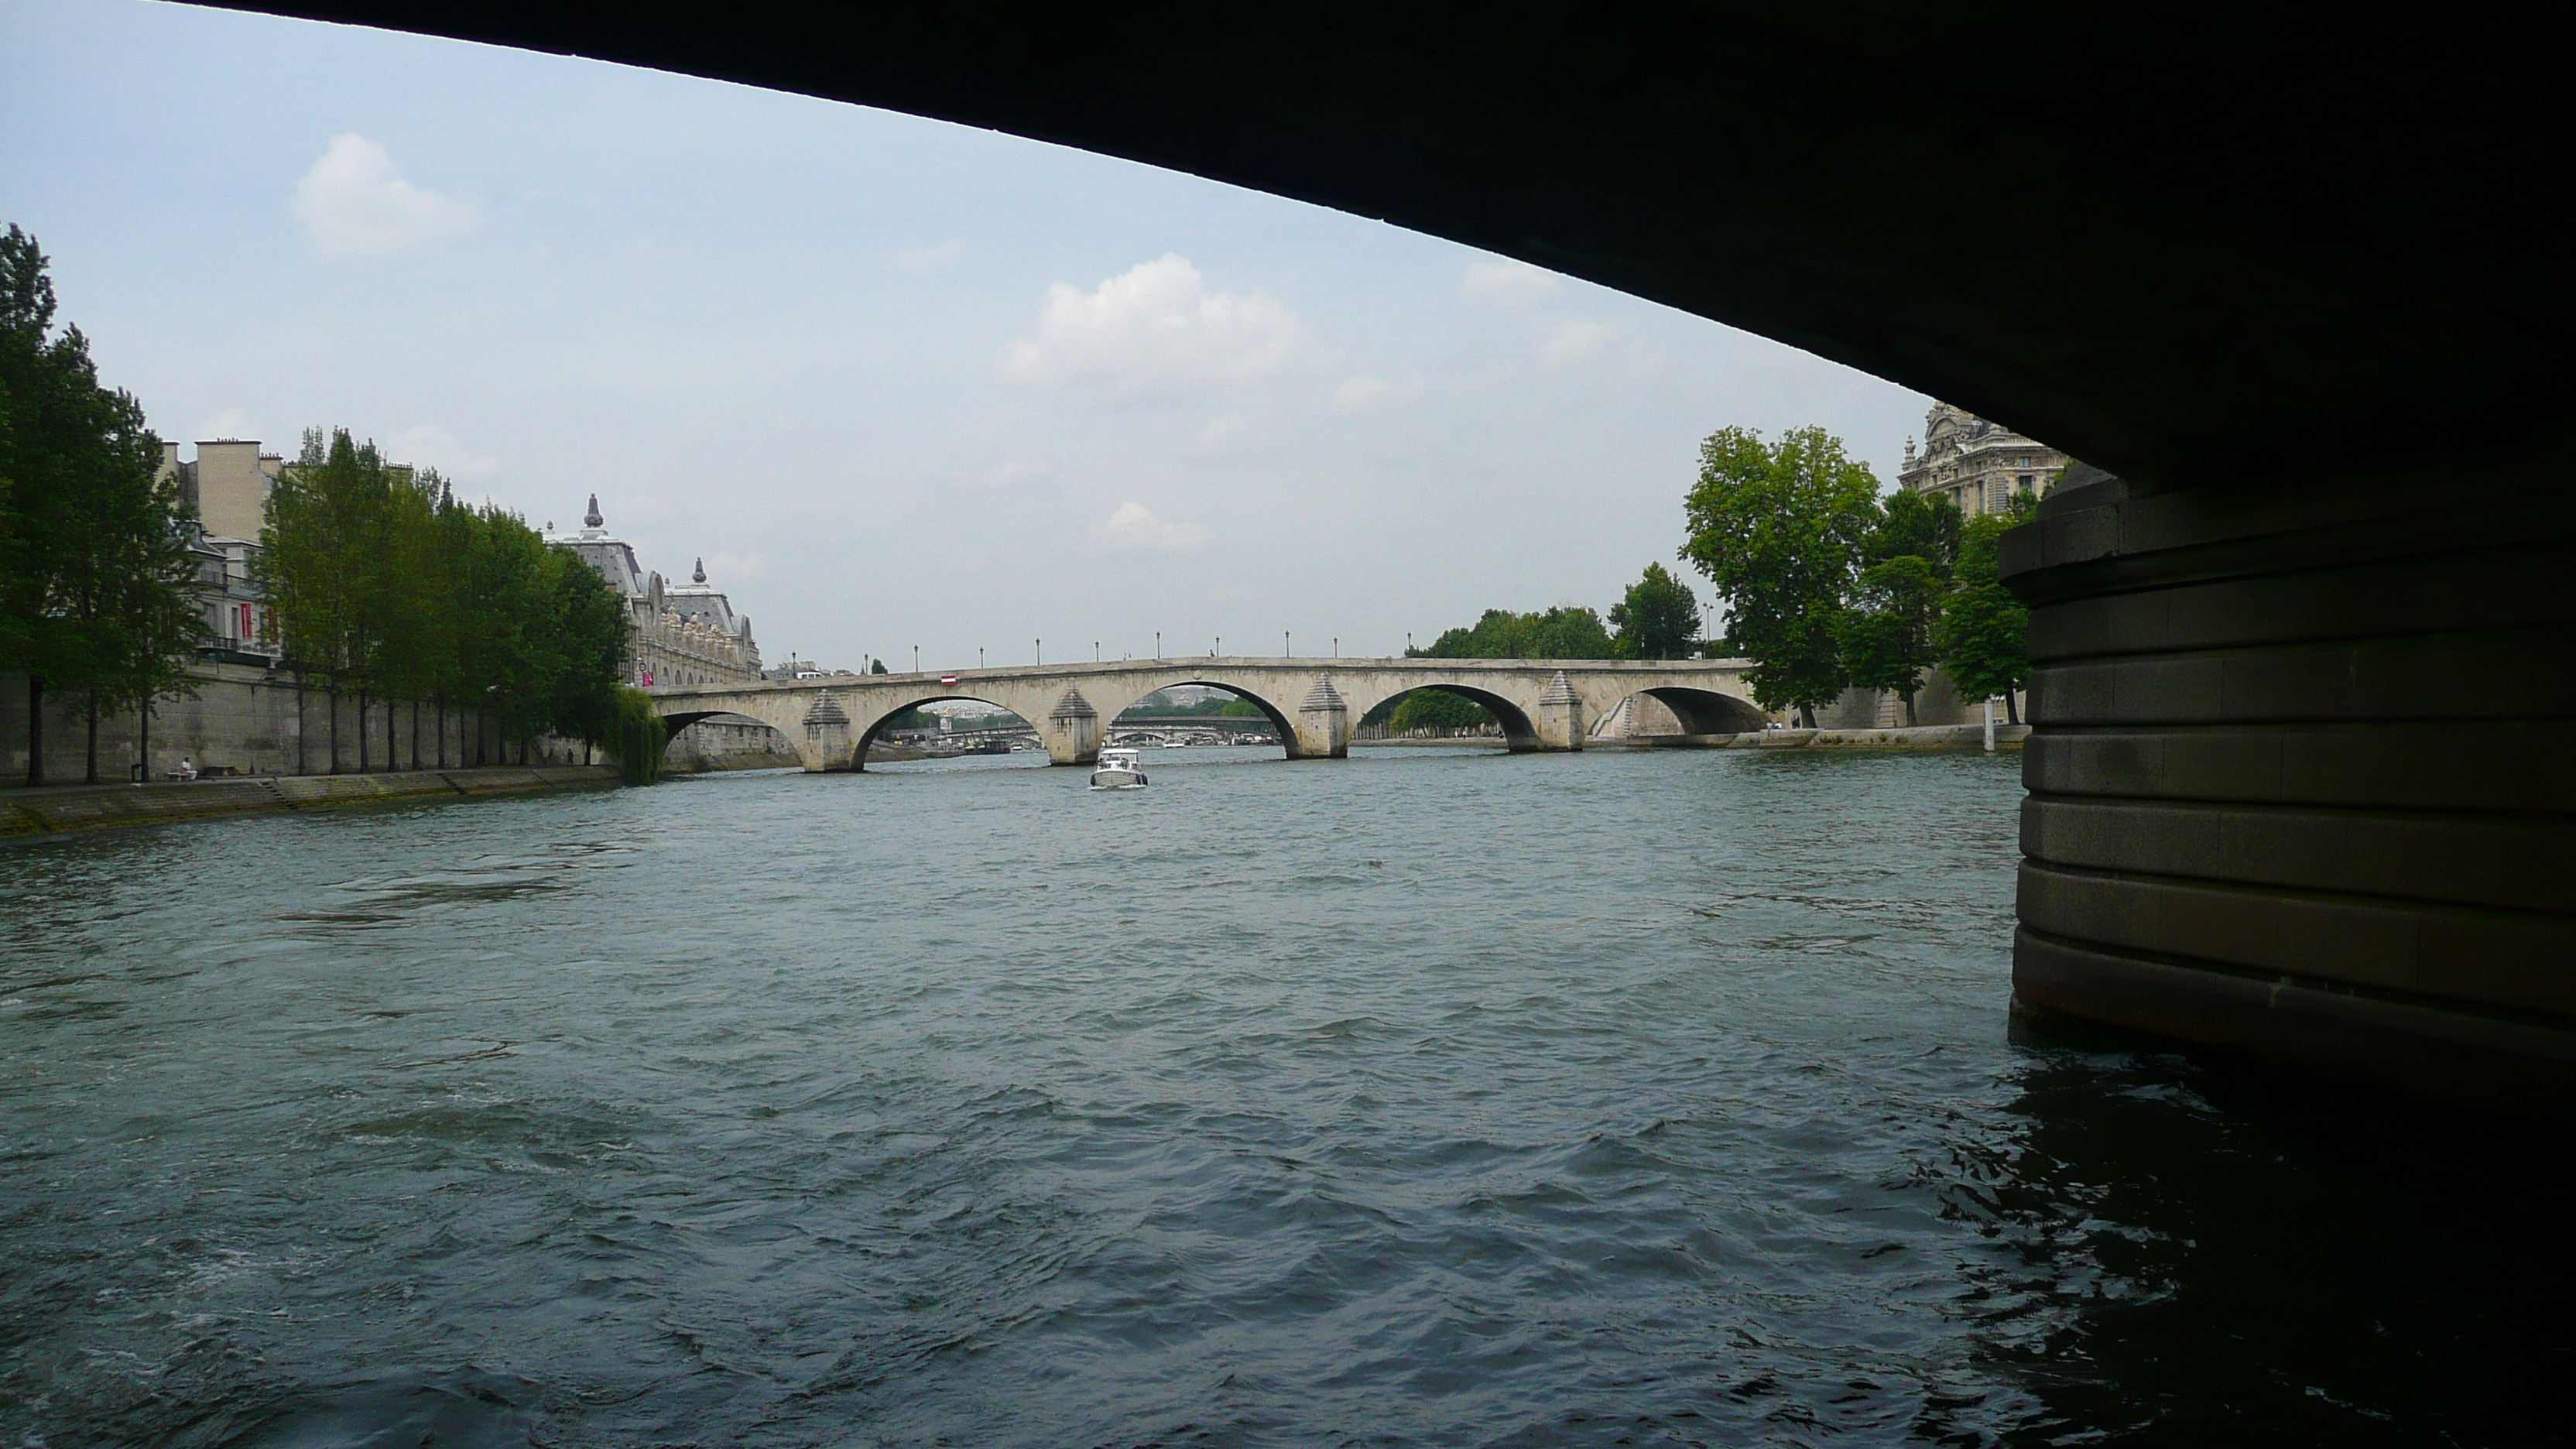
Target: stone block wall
point(253, 721)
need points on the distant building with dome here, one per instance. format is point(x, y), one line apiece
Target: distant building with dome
point(677, 634)
point(1976, 464)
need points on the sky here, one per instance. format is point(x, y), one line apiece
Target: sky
point(900, 383)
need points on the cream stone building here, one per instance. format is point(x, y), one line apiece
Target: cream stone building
point(1976, 464)
point(687, 634)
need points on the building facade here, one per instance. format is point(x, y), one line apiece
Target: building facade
point(1978, 465)
point(684, 634)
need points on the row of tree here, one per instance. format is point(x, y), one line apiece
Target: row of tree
point(382, 585)
point(95, 572)
point(1828, 587)
point(379, 582)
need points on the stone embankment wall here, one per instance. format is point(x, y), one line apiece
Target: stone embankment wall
point(250, 721)
point(1925, 737)
point(57, 810)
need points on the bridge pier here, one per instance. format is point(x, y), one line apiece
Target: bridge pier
point(1558, 720)
point(827, 746)
point(2298, 774)
point(1323, 725)
point(1072, 730)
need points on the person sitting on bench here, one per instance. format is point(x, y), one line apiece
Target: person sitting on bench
point(186, 770)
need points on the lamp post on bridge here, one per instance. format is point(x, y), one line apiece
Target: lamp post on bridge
point(1095, 651)
point(1285, 651)
point(1158, 644)
point(1040, 646)
point(916, 659)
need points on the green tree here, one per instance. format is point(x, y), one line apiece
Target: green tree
point(1778, 528)
point(382, 582)
point(1435, 709)
point(1922, 525)
point(1983, 637)
point(1886, 631)
point(1659, 619)
point(95, 571)
point(1568, 631)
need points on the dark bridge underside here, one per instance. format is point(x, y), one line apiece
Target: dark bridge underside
point(2180, 242)
point(2301, 701)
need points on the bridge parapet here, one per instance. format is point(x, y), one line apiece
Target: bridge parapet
point(1314, 704)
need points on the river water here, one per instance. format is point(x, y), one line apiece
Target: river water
point(1424, 1098)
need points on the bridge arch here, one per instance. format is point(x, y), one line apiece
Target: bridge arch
point(1520, 732)
point(1707, 712)
point(1280, 720)
point(864, 736)
point(676, 725)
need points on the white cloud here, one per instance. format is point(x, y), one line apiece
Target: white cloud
point(1367, 394)
point(1505, 284)
point(1135, 526)
point(355, 203)
point(431, 446)
point(1156, 325)
point(1575, 341)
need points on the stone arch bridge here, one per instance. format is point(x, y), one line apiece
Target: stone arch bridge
point(1543, 704)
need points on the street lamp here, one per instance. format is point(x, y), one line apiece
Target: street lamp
point(1040, 646)
point(1158, 643)
point(1095, 651)
point(916, 659)
point(1285, 652)
point(979, 656)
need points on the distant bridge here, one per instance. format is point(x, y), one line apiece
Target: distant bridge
point(1314, 704)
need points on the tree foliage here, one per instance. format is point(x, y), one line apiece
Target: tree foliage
point(1885, 632)
point(95, 569)
point(1779, 528)
point(1568, 631)
point(1983, 638)
point(1659, 618)
point(380, 581)
point(1918, 525)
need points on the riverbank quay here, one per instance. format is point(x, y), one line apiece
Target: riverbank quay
point(65, 809)
point(1923, 737)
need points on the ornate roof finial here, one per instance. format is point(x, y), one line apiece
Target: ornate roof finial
point(592, 518)
point(700, 576)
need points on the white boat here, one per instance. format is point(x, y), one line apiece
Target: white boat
point(1118, 770)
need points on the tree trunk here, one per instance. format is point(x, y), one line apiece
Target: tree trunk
point(2012, 708)
point(335, 728)
point(415, 734)
point(1807, 715)
point(35, 730)
point(143, 739)
point(362, 732)
point(1909, 709)
point(90, 775)
point(442, 730)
